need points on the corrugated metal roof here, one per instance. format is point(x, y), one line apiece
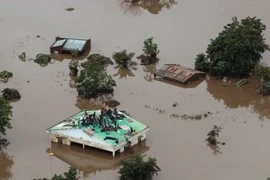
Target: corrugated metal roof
point(73, 44)
point(177, 73)
point(59, 43)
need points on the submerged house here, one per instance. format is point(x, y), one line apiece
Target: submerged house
point(112, 131)
point(92, 161)
point(178, 74)
point(68, 45)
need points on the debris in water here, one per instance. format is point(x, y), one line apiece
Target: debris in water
point(22, 56)
point(241, 82)
point(175, 104)
point(38, 36)
point(70, 9)
point(192, 117)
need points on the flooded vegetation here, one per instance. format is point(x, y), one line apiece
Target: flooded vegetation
point(181, 29)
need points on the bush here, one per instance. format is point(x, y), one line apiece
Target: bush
point(201, 63)
point(94, 80)
point(136, 168)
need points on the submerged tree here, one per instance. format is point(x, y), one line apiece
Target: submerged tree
point(11, 94)
point(150, 50)
point(73, 67)
point(70, 175)
point(263, 71)
point(5, 75)
point(212, 135)
point(94, 80)
point(136, 168)
point(124, 59)
point(5, 117)
point(97, 58)
point(43, 59)
point(236, 50)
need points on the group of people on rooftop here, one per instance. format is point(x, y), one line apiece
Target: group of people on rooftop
point(107, 119)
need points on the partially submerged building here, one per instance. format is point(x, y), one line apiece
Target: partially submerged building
point(103, 131)
point(178, 74)
point(69, 45)
point(92, 161)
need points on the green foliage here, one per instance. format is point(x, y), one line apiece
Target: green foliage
point(150, 48)
point(5, 75)
point(202, 63)
point(94, 80)
point(213, 134)
point(136, 168)
point(123, 59)
point(97, 58)
point(75, 52)
point(43, 59)
point(70, 175)
point(10, 94)
point(73, 65)
point(5, 117)
point(263, 71)
point(238, 48)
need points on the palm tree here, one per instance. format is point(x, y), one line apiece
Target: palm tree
point(123, 59)
point(136, 168)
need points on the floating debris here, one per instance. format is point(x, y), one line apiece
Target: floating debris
point(192, 117)
point(175, 104)
point(22, 56)
point(70, 9)
point(241, 82)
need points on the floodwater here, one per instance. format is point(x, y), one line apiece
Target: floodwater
point(182, 29)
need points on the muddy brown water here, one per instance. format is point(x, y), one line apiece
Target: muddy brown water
point(182, 30)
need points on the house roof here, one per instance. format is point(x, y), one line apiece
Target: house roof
point(178, 73)
point(67, 128)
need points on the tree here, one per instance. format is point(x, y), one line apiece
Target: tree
point(237, 49)
point(201, 63)
point(5, 117)
point(124, 59)
point(94, 80)
point(263, 71)
point(70, 175)
point(136, 168)
point(213, 134)
point(150, 50)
